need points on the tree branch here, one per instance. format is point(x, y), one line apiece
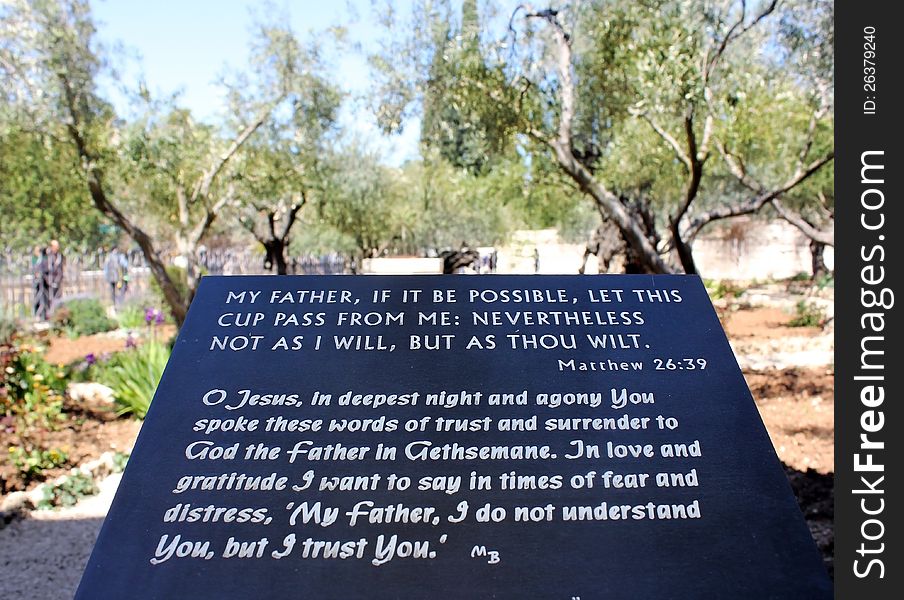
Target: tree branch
point(823, 237)
point(734, 32)
point(210, 215)
point(562, 147)
point(737, 168)
point(202, 187)
point(752, 205)
point(182, 203)
point(669, 139)
point(250, 226)
point(563, 67)
point(293, 214)
point(94, 177)
point(811, 135)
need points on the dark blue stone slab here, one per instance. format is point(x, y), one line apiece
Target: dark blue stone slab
point(725, 526)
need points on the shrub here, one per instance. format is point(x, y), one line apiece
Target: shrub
point(133, 313)
point(82, 316)
point(119, 462)
point(133, 375)
point(69, 491)
point(825, 280)
point(32, 463)
point(130, 316)
point(31, 389)
point(179, 276)
point(9, 325)
point(722, 288)
point(808, 315)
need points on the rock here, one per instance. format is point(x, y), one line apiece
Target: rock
point(14, 505)
point(90, 392)
point(99, 467)
point(15, 501)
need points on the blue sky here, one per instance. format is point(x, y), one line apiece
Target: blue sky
point(185, 45)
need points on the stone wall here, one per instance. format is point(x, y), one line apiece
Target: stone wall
point(741, 249)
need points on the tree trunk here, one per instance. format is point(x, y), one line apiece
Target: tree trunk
point(178, 305)
point(685, 254)
point(276, 256)
point(94, 177)
point(645, 256)
point(817, 259)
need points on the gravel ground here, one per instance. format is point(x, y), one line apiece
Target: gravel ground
point(42, 557)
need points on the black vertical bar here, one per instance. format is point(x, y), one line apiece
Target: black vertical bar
point(867, 390)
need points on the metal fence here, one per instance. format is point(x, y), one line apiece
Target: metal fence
point(228, 261)
point(84, 276)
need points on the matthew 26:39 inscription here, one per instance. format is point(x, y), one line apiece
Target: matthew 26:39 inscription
point(453, 437)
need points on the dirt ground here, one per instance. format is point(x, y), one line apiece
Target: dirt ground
point(763, 323)
point(63, 350)
point(797, 407)
point(88, 431)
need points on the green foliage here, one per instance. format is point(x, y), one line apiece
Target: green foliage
point(31, 389)
point(467, 128)
point(179, 277)
point(808, 314)
point(648, 86)
point(722, 288)
point(120, 459)
point(73, 488)
point(826, 280)
point(489, 91)
point(133, 376)
point(42, 194)
point(133, 314)
point(431, 204)
point(82, 316)
point(130, 316)
point(361, 204)
point(9, 325)
point(32, 463)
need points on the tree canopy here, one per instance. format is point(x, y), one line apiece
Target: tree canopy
point(656, 118)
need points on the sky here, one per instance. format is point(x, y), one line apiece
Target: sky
point(184, 46)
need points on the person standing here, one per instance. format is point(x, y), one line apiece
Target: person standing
point(40, 307)
point(56, 265)
point(124, 270)
point(113, 272)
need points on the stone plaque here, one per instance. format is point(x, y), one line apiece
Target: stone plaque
point(453, 437)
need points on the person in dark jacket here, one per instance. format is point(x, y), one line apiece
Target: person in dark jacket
point(56, 265)
point(40, 307)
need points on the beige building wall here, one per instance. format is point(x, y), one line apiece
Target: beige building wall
point(744, 249)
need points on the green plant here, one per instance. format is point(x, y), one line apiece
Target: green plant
point(808, 315)
point(179, 277)
point(32, 463)
point(722, 288)
point(9, 325)
point(82, 316)
point(825, 280)
point(133, 375)
point(130, 316)
point(31, 389)
point(119, 462)
point(75, 486)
